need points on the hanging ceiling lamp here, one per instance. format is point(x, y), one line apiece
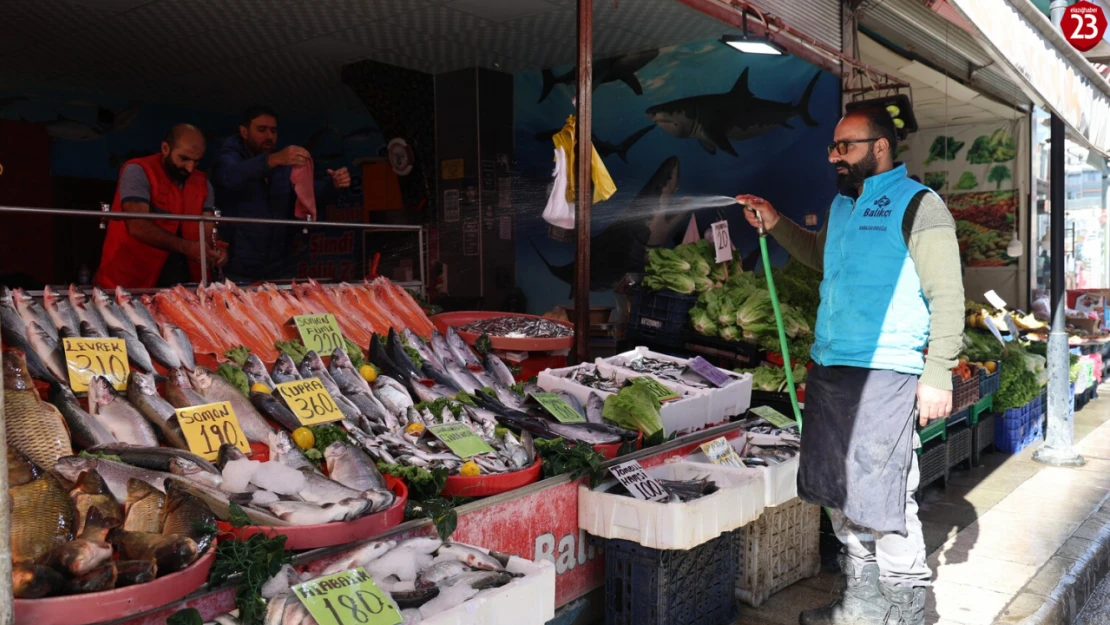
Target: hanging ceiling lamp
point(752, 44)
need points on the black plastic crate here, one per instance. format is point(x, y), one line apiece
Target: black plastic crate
point(741, 355)
point(965, 393)
point(659, 316)
point(932, 460)
point(982, 437)
point(646, 586)
point(959, 445)
point(958, 417)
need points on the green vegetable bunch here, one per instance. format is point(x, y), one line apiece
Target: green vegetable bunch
point(1017, 383)
point(687, 269)
point(238, 354)
point(325, 435)
point(251, 562)
point(944, 149)
point(634, 407)
point(235, 375)
point(578, 460)
point(294, 348)
point(772, 379)
point(999, 147)
point(424, 499)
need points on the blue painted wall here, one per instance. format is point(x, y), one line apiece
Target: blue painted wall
point(788, 166)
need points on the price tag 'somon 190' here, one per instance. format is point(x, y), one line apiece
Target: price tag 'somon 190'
point(209, 427)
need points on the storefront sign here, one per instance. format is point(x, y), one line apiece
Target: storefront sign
point(460, 439)
point(721, 242)
point(719, 451)
point(211, 426)
point(638, 482)
point(705, 369)
point(320, 333)
point(88, 358)
point(774, 417)
point(559, 408)
point(310, 401)
point(347, 598)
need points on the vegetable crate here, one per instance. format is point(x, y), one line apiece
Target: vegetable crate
point(982, 428)
point(959, 445)
point(778, 549)
point(956, 418)
point(932, 459)
point(1017, 428)
point(965, 393)
point(989, 383)
point(659, 316)
point(645, 586)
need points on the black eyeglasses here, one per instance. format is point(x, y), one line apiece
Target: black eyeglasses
point(841, 147)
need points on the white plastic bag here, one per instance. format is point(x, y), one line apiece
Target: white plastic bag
point(559, 212)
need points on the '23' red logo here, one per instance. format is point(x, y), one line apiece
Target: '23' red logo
point(1084, 25)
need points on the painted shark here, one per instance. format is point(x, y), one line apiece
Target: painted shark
point(736, 115)
point(603, 147)
point(620, 68)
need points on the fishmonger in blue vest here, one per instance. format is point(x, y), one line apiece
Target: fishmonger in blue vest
point(892, 288)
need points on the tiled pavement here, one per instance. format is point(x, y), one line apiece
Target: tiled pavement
point(1003, 539)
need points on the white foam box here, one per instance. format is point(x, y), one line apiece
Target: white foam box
point(738, 501)
point(780, 480)
point(683, 416)
point(527, 600)
point(731, 400)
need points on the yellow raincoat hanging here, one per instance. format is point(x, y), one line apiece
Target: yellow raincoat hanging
point(558, 211)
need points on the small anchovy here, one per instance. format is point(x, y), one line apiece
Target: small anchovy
point(519, 327)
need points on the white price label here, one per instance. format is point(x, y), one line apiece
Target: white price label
point(1012, 327)
point(995, 300)
point(721, 242)
point(719, 451)
point(994, 329)
point(638, 482)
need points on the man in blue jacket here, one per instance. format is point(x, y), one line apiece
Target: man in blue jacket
point(251, 180)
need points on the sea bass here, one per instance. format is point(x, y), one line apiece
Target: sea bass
point(122, 419)
point(215, 388)
point(143, 395)
point(87, 430)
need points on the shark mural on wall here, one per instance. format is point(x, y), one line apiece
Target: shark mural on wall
point(621, 68)
point(716, 119)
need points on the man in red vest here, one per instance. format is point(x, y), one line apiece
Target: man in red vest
point(135, 250)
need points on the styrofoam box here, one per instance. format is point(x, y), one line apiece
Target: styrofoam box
point(681, 415)
point(528, 600)
point(780, 480)
point(673, 525)
point(731, 400)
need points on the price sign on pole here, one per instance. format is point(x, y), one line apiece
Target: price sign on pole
point(320, 333)
point(310, 401)
point(211, 426)
point(1084, 25)
point(88, 358)
point(774, 417)
point(638, 482)
point(347, 598)
point(1011, 326)
point(721, 242)
point(558, 407)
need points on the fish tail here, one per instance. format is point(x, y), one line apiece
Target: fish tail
point(803, 106)
point(549, 83)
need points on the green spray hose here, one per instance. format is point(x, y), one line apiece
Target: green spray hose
point(786, 362)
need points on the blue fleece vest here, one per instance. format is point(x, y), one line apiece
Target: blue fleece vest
point(873, 314)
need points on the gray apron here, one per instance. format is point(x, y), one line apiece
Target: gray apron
point(857, 444)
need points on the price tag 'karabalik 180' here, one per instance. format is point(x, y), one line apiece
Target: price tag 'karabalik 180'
point(88, 358)
point(209, 427)
point(347, 598)
point(310, 401)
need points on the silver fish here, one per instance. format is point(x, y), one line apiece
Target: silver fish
point(194, 472)
point(572, 401)
point(441, 571)
point(60, 311)
point(461, 350)
point(342, 370)
point(180, 391)
point(215, 388)
point(143, 394)
point(499, 370)
point(221, 505)
point(515, 451)
point(115, 474)
point(469, 556)
point(112, 313)
point(515, 326)
point(136, 351)
point(303, 513)
point(48, 350)
point(122, 419)
point(31, 311)
point(256, 372)
point(426, 352)
point(285, 451)
point(285, 370)
point(272, 407)
point(87, 312)
point(313, 367)
point(461, 376)
point(594, 407)
point(573, 432)
point(359, 556)
point(350, 466)
point(86, 430)
point(440, 347)
point(13, 330)
point(181, 344)
point(158, 348)
point(135, 310)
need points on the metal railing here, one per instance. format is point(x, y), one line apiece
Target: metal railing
point(105, 215)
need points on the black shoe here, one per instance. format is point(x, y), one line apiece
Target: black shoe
point(907, 605)
point(861, 603)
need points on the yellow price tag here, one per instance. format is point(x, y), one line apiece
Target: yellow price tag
point(310, 401)
point(320, 333)
point(347, 598)
point(211, 426)
point(88, 358)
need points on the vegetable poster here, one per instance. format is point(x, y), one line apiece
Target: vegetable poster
point(974, 167)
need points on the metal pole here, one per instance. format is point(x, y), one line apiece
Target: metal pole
point(7, 607)
point(65, 212)
point(1057, 449)
point(203, 256)
point(583, 157)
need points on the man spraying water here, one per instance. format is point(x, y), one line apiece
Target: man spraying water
point(892, 287)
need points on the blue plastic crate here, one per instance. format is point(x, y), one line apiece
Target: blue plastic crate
point(659, 317)
point(1012, 419)
point(646, 586)
point(989, 383)
point(1017, 429)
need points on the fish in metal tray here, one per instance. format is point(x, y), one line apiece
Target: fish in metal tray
point(519, 327)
